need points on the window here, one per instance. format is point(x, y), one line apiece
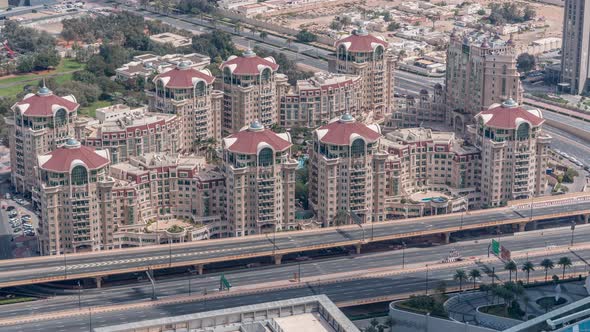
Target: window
point(61, 117)
point(265, 157)
point(522, 132)
point(200, 89)
point(357, 148)
point(79, 175)
point(265, 74)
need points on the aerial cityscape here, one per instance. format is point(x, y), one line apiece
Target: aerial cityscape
point(295, 165)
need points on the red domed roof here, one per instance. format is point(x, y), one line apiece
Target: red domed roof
point(63, 159)
point(509, 115)
point(255, 137)
point(361, 42)
point(249, 64)
point(45, 103)
point(343, 131)
point(183, 77)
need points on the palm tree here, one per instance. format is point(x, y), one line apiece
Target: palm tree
point(527, 267)
point(460, 275)
point(565, 262)
point(547, 264)
point(510, 267)
point(473, 275)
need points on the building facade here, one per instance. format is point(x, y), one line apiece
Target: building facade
point(481, 70)
point(40, 122)
point(70, 181)
point(315, 101)
point(346, 175)
point(575, 56)
point(252, 90)
point(260, 181)
point(362, 54)
point(188, 93)
point(415, 111)
point(133, 134)
point(514, 152)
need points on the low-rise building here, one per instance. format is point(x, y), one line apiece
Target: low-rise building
point(146, 65)
point(132, 132)
point(173, 39)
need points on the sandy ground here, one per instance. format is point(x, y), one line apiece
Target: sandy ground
point(321, 17)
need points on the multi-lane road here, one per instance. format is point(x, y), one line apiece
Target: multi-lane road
point(538, 243)
point(43, 269)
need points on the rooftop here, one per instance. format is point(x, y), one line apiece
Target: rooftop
point(71, 154)
point(253, 138)
point(361, 41)
point(184, 76)
point(509, 115)
point(249, 64)
point(45, 104)
point(343, 130)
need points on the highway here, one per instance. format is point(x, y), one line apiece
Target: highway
point(74, 266)
point(341, 292)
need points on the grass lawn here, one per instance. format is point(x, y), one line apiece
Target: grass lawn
point(90, 110)
point(16, 300)
point(10, 86)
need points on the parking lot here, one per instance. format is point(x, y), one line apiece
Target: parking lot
point(20, 225)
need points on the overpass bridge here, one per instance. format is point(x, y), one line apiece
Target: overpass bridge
point(25, 271)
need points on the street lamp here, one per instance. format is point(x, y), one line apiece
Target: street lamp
point(79, 295)
point(403, 254)
point(170, 252)
point(573, 227)
point(426, 279)
point(65, 265)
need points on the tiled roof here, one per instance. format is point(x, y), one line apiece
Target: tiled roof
point(249, 64)
point(63, 159)
point(509, 115)
point(361, 42)
point(343, 130)
point(45, 103)
point(255, 137)
point(184, 77)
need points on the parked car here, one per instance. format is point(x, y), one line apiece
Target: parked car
point(17, 230)
point(10, 208)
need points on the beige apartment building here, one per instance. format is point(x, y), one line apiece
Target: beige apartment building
point(252, 90)
point(429, 173)
point(40, 122)
point(514, 152)
point(132, 133)
point(481, 70)
point(575, 55)
point(362, 54)
point(188, 93)
point(260, 181)
point(347, 173)
point(315, 101)
point(415, 111)
point(70, 181)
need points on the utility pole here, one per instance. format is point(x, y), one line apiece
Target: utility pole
point(573, 227)
point(79, 295)
point(299, 272)
point(404, 255)
point(426, 279)
point(170, 252)
point(65, 265)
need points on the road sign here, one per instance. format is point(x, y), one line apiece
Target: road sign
point(504, 254)
point(224, 284)
point(495, 247)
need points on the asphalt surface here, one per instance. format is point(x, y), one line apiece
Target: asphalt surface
point(338, 292)
point(12, 270)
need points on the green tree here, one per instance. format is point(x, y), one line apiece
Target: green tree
point(392, 26)
point(263, 35)
point(510, 267)
point(481, 12)
point(527, 267)
point(46, 59)
point(306, 36)
point(547, 264)
point(460, 276)
point(26, 64)
point(525, 62)
point(474, 275)
point(564, 262)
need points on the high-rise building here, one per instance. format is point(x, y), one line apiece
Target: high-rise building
point(481, 70)
point(40, 123)
point(514, 152)
point(317, 100)
point(70, 180)
point(367, 56)
point(575, 52)
point(188, 93)
point(418, 110)
point(347, 171)
point(252, 89)
point(260, 181)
